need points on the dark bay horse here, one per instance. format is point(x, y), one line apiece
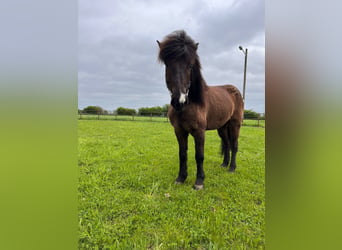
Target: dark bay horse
point(196, 107)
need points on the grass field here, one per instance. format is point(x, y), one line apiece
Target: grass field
point(128, 199)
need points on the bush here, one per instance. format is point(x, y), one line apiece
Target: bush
point(250, 114)
point(125, 111)
point(93, 110)
point(155, 111)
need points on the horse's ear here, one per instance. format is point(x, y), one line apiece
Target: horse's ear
point(158, 43)
point(197, 45)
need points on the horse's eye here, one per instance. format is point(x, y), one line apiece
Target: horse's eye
point(190, 66)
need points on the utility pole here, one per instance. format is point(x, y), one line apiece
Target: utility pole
point(245, 51)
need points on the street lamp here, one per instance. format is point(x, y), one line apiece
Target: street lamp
point(245, 51)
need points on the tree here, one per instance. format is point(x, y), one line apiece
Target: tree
point(166, 108)
point(125, 111)
point(250, 114)
point(93, 110)
point(154, 111)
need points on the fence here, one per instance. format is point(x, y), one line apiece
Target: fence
point(145, 117)
point(155, 117)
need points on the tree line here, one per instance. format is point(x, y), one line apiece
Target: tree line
point(148, 111)
point(145, 111)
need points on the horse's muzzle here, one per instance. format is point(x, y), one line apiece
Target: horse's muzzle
point(178, 106)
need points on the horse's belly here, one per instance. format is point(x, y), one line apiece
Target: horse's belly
point(195, 117)
point(220, 107)
point(218, 116)
point(217, 121)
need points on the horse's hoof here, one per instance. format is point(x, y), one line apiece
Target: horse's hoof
point(198, 187)
point(180, 179)
point(223, 165)
point(231, 170)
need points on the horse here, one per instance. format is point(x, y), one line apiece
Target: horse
point(196, 107)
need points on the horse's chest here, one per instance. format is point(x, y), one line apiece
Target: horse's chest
point(188, 121)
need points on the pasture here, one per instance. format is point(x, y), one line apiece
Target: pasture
point(128, 199)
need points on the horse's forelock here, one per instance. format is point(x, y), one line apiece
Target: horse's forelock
point(177, 45)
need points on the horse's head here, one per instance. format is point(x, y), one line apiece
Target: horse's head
point(178, 81)
point(178, 53)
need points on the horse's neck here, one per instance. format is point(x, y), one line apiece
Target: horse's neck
point(198, 85)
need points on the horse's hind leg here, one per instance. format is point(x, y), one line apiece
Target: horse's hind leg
point(182, 138)
point(234, 130)
point(223, 133)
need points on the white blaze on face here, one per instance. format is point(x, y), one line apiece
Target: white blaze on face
point(182, 97)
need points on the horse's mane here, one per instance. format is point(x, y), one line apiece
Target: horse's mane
point(178, 46)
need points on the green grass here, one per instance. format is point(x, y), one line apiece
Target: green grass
point(128, 199)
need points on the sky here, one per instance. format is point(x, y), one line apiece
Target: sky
point(117, 57)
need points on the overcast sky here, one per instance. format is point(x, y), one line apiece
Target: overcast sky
point(118, 63)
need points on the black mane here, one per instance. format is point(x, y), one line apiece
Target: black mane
point(178, 46)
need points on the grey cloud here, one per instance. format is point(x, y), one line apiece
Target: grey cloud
point(118, 51)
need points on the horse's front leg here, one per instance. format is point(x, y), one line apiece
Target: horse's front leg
point(199, 137)
point(182, 138)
